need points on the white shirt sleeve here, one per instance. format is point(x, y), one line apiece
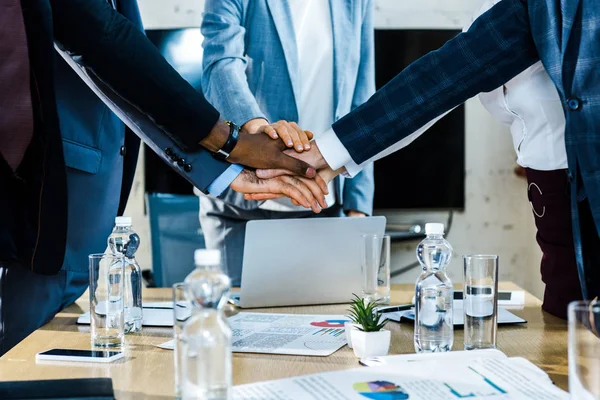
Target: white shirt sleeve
point(337, 156)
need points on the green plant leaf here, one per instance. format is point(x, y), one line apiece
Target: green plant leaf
point(364, 314)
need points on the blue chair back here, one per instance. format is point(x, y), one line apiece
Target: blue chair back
point(175, 234)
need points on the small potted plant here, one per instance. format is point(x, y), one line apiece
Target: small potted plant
point(368, 337)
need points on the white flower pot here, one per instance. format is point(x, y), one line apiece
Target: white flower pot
point(348, 328)
point(370, 344)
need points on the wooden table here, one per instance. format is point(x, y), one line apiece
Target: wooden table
point(146, 372)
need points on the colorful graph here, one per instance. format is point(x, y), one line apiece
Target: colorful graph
point(330, 323)
point(380, 390)
point(335, 332)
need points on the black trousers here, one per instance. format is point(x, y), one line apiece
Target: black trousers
point(549, 193)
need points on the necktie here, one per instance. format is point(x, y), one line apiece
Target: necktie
point(16, 111)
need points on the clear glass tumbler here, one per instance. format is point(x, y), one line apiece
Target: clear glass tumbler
point(182, 311)
point(480, 301)
point(107, 313)
point(376, 268)
point(584, 350)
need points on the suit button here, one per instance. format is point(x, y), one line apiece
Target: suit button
point(174, 157)
point(181, 162)
point(574, 104)
point(123, 151)
point(570, 177)
point(169, 151)
point(187, 168)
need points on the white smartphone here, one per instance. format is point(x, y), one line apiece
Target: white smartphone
point(97, 356)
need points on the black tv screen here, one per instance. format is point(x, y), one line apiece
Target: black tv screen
point(430, 172)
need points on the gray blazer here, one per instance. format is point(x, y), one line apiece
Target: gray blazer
point(250, 55)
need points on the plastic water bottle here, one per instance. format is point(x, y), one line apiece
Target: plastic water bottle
point(434, 294)
point(123, 240)
point(206, 337)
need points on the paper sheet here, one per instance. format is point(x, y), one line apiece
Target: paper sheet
point(151, 317)
point(158, 313)
point(308, 335)
point(504, 316)
point(303, 335)
point(487, 378)
point(441, 357)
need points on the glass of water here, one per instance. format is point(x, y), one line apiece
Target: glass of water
point(107, 312)
point(376, 268)
point(584, 350)
point(480, 301)
point(182, 311)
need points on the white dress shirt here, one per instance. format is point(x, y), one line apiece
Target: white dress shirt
point(314, 40)
point(529, 104)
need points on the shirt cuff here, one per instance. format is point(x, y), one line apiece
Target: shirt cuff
point(335, 154)
point(219, 185)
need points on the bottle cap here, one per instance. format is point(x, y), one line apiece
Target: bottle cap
point(207, 257)
point(123, 221)
point(434, 229)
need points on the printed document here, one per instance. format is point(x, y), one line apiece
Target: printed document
point(473, 379)
point(294, 334)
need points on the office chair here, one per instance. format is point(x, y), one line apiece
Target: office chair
point(174, 235)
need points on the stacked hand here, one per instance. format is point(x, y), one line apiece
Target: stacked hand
point(288, 164)
point(262, 145)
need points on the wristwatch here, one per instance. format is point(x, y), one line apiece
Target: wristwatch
point(234, 133)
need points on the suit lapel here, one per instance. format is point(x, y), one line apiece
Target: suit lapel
point(282, 18)
point(341, 22)
point(568, 10)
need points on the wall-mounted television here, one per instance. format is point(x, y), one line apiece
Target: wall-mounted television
point(430, 172)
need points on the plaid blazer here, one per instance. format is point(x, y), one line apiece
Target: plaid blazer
point(514, 34)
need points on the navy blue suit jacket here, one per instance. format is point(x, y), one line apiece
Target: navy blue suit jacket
point(100, 158)
point(514, 34)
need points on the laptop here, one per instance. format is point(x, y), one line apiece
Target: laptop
point(294, 262)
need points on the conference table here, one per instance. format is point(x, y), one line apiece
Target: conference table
point(146, 371)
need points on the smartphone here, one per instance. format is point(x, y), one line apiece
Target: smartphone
point(101, 356)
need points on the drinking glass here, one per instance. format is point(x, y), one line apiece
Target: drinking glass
point(182, 311)
point(376, 268)
point(584, 350)
point(107, 313)
point(480, 301)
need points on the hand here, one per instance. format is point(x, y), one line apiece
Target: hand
point(254, 125)
point(309, 193)
point(289, 132)
point(324, 176)
point(312, 157)
point(355, 214)
point(257, 151)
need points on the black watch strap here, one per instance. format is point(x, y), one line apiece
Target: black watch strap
point(234, 133)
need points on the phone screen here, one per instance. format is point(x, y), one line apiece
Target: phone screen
point(80, 353)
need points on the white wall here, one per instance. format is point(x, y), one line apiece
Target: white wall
point(497, 218)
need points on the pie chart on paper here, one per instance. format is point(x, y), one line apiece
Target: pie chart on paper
point(330, 323)
point(380, 390)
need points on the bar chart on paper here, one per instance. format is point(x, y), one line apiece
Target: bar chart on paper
point(490, 389)
point(311, 335)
